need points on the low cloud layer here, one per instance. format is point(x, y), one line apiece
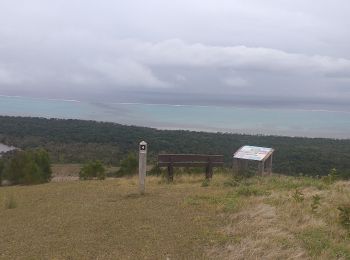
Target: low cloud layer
point(194, 52)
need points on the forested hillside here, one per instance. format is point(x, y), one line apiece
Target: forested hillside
point(77, 141)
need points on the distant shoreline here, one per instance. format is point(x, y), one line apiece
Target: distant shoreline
point(179, 105)
point(311, 123)
point(172, 129)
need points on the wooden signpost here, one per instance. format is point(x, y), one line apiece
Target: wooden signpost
point(142, 165)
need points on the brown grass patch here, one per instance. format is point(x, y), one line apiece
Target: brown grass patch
point(254, 219)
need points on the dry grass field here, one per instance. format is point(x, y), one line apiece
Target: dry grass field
point(258, 218)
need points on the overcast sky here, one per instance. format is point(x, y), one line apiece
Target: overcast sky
point(271, 52)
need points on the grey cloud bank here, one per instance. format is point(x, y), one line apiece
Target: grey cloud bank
point(256, 53)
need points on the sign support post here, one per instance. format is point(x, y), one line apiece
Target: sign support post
point(142, 165)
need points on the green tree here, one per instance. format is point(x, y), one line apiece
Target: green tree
point(128, 166)
point(42, 160)
point(93, 169)
point(28, 167)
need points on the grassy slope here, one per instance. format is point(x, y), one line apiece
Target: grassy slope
point(258, 218)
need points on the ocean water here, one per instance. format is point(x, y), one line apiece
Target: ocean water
point(297, 122)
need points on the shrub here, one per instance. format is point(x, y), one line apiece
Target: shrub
point(205, 183)
point(232, 183)
point(344, 216)
point(128, 166)
point(27, 167)
point(236, 180)
point(316, 240)
point(156, 170)
point(244, 190)
point(315, 202)
point(298, 196)
point(93, 169)
point(331, 177)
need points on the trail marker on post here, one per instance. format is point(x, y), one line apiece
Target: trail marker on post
point(142, 165)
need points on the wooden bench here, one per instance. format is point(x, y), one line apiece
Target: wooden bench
point(190, 160)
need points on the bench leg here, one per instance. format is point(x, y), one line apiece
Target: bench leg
point(170, 173)
point(208, 172)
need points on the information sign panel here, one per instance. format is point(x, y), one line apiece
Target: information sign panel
point(252, 153)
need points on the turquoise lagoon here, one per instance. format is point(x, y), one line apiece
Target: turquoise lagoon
point(290, 122)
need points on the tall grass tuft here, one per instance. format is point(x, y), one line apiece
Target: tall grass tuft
point(315, 202)
point(298, 196)
point(205, 183)
point(10, 203)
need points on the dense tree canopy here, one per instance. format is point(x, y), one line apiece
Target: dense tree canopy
point(79, 141)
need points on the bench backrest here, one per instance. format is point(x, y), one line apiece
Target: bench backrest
point(190, 160)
